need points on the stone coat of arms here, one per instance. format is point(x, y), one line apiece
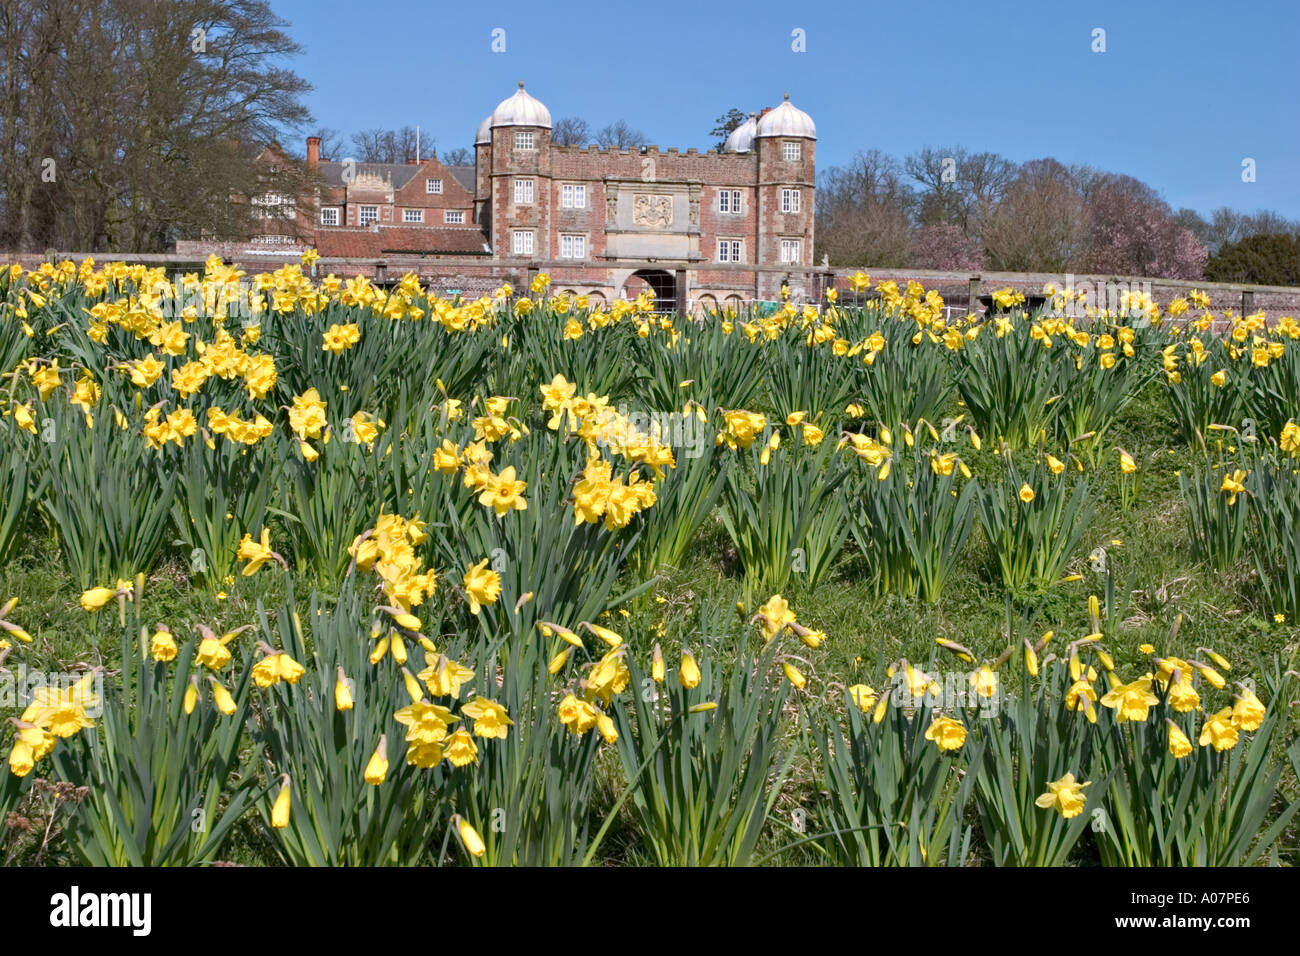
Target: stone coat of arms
point(652, 210)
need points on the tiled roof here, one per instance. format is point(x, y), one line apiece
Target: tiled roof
point(432, 239)
point(391, 240)
point(347, 243)
point(399, 173)
point(464, 175)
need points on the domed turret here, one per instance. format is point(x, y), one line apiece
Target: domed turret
point(787, 120)
point(741, 139)
point(521, 110)
point(484, 134)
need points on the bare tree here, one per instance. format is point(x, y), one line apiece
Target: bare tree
point(368, 145)
point(460, 156)
point(1037, 225)
point(1227, 226)
point(619, 135)
point(570, 131)
point(864, 212)
point(331, 142)
point(126, 123)
point(958, 188)
point(377, 145)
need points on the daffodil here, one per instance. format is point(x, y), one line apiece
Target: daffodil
point(1179, 745)
point(579, 716)
point(503, 492)
point(1248, 711)
point(276, 666)
point(482, 586)
point(984, 681)
point(775, 615)
point(460, 749)
point(62, 710)
point(490, 718)
point(162, 646)
point(1065, 796)
point(444, 677)
point(863, 697)
point(1219, 731)
point(1132, 701)
point(1233, 486)
point(425, 723)
point(947, 733)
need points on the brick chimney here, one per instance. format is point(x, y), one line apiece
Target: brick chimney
point(313, 153)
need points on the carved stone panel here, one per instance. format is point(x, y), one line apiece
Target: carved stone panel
point(652, 210)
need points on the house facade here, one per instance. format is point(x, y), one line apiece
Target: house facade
point(602, 222)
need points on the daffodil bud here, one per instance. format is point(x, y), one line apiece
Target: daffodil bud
point(407, 620)
point(689, 673)
point(377, 768)
point(221, 697)
point(605, 725)
point(469, 838)
point(280, 812)
point(1031, 659)
point(342, 692)
point(1218, 659)
point(412, 685)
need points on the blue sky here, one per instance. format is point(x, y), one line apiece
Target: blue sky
point(1184, 92)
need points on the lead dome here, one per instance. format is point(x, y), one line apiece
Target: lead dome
point(521, 109)
point(741, 139)
point(787, 120)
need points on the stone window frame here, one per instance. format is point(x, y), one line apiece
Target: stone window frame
point(517, 243)
point(574, 238)
point(573, 189)
point(734, 250)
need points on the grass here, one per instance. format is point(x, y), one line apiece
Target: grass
point(1157, 580)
